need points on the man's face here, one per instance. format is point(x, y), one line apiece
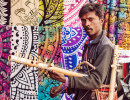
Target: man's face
point(92, 24)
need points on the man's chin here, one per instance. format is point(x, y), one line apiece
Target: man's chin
point(88, 32)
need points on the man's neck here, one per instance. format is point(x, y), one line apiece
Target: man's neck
point(94, 36)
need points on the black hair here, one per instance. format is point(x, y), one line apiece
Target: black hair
point(89, 7)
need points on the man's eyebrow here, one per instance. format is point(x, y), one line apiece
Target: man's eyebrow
point(83, 19)
point(87, 18)
point(90, 17)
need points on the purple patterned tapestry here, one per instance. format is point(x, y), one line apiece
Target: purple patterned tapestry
point(5, 69)
point(73, 39)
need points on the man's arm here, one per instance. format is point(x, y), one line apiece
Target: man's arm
point(97, 77)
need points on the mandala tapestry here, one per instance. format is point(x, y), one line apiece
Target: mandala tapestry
point(24, 80)
point(71, 11)
point(5, 68)
point(51, 13)
point(49, 51)
point(73, 39)
point(24, 12)
point(4, 12)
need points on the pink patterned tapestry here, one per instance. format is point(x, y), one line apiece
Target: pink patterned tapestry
point(71, 10)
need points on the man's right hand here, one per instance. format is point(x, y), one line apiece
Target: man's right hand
point(57, 76)
point(54, 92)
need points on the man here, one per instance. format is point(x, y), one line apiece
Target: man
point(99, 53)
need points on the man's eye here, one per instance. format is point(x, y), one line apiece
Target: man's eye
point(83, 20)
point(90, 19)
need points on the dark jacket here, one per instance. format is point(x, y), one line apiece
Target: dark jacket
point(100, 54)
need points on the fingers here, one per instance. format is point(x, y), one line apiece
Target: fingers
point(51, 72)
point(53, 93)
point(52, 75)
point(57, 76)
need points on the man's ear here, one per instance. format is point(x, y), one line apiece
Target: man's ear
point(102, 21)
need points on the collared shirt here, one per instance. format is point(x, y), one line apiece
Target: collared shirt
point(100, 54)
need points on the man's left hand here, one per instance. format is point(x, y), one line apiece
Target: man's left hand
point(53, 91)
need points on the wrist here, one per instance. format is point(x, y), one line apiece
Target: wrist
point(66, 84)
point(64, 80)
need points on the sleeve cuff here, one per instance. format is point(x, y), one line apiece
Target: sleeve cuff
point(66, 83)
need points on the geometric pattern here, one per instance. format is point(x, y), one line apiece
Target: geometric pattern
point(71, 10)
point(4, 12)
point(5, 69)
point(49, 49)
point(51, 13)
point(24, 80)
point(73, 39)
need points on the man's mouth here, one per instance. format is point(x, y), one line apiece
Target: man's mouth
point(88, 29)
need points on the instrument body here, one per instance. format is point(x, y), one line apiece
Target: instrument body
point(43, 66)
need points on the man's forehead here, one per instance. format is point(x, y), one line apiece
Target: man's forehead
point(89, 15)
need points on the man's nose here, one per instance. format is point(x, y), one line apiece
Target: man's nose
point(87, 23)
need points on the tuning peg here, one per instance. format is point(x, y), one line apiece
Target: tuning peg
point(30, 56)
point(10, 52)
point(45, 60)
point(53, 61)
point(112, 65)
point(115, 55)
point(39, 60)
point(17, 53)
point(81, 68)
point(34, 58)
point(25, 55)
point(42, 58)
point(41, 72)
point(9, 63)
point(120, 53)
point(52, 64)
point(74, 69)
point(118, 70)
point(118, 65)
point(118, 59)
point(29, 66)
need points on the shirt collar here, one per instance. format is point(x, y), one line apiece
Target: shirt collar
point(98, 38)
point(91, 41)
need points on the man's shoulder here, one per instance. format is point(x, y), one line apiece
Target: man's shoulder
point(105, 45)
point(106, 42)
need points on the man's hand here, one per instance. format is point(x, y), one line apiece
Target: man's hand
point(54, 92)
point(57, 76)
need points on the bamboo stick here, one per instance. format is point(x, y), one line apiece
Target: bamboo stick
point(40, 65)
point(113, 73)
